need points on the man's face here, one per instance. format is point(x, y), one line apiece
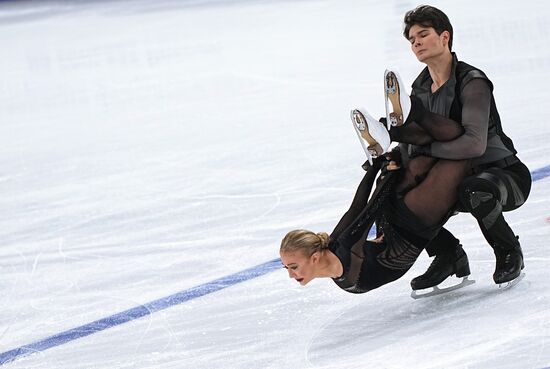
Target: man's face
point(426, 43)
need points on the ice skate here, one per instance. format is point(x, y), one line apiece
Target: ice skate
point(374, 137)
point(436, 290)
point(443, 266)
point(509, 265)
point(512, 283)
point(398, 102)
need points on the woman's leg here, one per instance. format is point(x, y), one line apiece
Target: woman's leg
point(432, 199)
point(414, 173)
point(429, 128)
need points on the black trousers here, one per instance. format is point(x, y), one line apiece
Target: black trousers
point(513, 183)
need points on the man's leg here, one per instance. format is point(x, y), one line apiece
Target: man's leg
point(486, 196)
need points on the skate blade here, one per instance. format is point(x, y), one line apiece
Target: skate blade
point(373, 149)
point(438, 291)
point(395, 116)
point(512, 283)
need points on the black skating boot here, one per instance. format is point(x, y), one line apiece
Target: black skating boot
point(509, 264)
point(443, 266)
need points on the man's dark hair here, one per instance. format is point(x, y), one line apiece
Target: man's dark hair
point(428, 16)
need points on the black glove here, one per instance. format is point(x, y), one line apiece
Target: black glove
point(394, 155)
point(377, 162)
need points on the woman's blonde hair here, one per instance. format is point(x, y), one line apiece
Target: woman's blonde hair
point(306, 241)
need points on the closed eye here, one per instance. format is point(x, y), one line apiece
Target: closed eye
point(421, 34)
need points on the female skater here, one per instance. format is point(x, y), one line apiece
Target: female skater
point(409, 206)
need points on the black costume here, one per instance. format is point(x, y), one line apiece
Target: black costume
point(409, 206)
point(368, 265)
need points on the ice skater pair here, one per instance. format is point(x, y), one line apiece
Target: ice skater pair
point(496, 180)
point(409, 205)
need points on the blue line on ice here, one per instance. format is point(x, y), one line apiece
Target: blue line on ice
point(162, 303)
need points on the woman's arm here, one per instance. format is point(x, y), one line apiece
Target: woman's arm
point(360, 199)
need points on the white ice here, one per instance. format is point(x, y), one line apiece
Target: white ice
point(148, 147)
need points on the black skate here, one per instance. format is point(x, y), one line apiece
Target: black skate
point(441, 268)
point(508, 266)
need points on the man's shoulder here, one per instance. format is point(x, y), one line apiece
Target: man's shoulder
point(463, 69)
point(466, 72)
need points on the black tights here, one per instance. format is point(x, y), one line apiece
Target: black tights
point(430, 185)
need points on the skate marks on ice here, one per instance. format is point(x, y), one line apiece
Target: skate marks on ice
point(507, 285)
point(138, 312)
point(462, 328)
point(481, 326)
point(448, 286)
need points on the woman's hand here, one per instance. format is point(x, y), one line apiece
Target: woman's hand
point(392, 165)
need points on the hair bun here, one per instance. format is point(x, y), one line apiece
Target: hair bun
point(324, 238)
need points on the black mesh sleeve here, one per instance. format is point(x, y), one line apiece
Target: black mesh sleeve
point(360, 199)
point(476, 106)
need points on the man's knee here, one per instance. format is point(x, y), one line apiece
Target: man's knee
point(482, 197)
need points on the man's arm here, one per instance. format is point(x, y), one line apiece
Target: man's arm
point(476, 107)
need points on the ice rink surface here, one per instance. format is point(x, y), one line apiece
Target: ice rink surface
point(154, 153)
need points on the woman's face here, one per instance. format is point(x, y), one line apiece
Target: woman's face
point(426, 43)
point(300, 266)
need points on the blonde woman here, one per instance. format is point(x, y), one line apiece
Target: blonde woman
point(410, 206)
